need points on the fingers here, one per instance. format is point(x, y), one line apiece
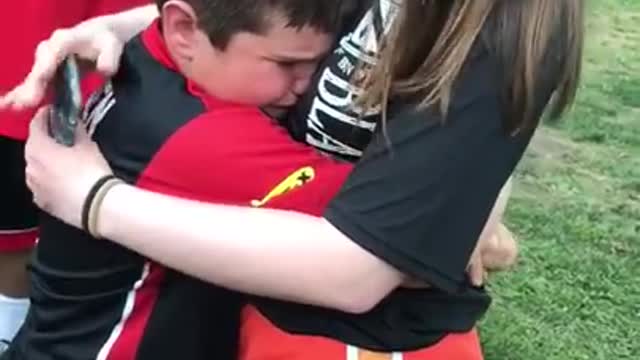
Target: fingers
point(508, 246)
point(82, 134)
point(476, 272)
point(31, 184)
point(28, 94)
point(5, 100)
point(110, 51)
point(48, 56)
point(18, 98)
point(37, 130)
point(8, 100)
point(476, 268)
point(38, 125)
point(99, 45)
point(35, 142)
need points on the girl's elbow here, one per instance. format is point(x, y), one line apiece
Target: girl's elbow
point(359, 301)
point(360, 306)
point(362, 294)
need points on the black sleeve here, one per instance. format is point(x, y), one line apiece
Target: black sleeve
point(420, 198)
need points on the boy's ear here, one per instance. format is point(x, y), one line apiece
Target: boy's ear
point(180, 28)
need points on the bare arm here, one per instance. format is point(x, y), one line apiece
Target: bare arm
point(282, 254)
point(307, 260)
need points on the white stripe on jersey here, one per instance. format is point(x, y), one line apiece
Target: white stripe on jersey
point(127, 310)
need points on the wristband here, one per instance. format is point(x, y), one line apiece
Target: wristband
point(88, 201)
point(96, 204)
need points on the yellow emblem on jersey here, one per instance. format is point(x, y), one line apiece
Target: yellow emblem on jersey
point(297, 179)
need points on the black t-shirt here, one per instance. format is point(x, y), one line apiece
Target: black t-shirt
point(421, 203)
point(418, 200)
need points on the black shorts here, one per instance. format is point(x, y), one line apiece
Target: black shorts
point(18, 213)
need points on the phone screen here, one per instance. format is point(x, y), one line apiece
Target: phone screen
point(67, 102)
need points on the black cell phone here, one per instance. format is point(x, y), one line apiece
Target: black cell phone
point(67, 102)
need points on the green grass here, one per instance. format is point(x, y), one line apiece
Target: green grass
point(575, 293)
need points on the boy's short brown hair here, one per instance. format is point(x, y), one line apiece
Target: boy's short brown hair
point(221, 19)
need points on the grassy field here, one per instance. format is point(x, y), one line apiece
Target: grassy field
point(575, 293)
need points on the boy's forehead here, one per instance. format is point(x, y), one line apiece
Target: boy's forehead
point(278, 24)
point(296, 43)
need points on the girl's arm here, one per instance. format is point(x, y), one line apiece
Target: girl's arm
point(267, 252)
point(274, 253)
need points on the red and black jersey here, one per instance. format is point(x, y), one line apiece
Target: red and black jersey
point(94, 299)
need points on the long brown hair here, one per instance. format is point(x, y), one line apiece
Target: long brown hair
point(431, 40)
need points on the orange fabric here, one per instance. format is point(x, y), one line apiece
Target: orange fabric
point(261, 340)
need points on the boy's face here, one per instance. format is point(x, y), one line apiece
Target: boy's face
point(272, 69)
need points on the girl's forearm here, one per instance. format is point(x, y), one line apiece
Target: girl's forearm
point(273, 253)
